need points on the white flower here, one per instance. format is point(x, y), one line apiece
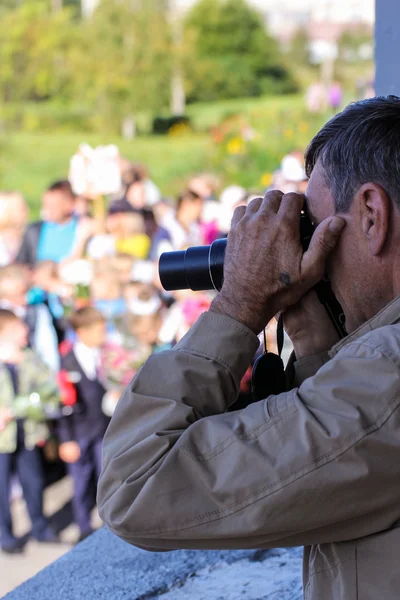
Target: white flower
point(77, 272)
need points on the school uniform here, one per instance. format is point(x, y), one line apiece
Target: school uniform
point(43, 337)
point(18, 448)
point(86, 425)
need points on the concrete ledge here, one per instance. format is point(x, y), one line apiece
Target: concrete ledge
point(105, 567)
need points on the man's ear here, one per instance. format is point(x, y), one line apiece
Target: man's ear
point(375, 208)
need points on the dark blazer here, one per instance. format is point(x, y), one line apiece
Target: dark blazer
point(87, 422)
point(27, 254)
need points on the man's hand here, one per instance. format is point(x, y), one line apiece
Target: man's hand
point(265, 269)
point(69, 452)
point(5, 417)
point(310, 329)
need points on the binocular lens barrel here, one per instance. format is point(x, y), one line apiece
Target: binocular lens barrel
point(197, 268)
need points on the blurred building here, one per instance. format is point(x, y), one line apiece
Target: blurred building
point(324, 19)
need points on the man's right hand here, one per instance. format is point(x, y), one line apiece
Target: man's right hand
point(265, 268)
point(69, 452)
point(309, 327)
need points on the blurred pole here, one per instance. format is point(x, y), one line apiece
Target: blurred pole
point(56, 5)
point(88, 7)
point(387, 47)
point(178, 97)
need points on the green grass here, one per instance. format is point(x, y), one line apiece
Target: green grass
point(30, 161)
point(208, 114)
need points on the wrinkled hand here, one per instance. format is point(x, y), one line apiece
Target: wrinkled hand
point(265, 269)
point(310, 329)
point(5, 417)
point(69, 452)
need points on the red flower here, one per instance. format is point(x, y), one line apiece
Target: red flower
point(65, 347)
point(67, 389)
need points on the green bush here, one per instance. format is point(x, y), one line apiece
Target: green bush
point(47, 116)
point(163, 125)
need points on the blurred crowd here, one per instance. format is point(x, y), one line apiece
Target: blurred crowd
point(81, 309)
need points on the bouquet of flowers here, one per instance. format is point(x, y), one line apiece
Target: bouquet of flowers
point(78, 273)
point(38, 406)
point(118, 366)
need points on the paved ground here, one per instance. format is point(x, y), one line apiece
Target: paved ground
point(17, 569)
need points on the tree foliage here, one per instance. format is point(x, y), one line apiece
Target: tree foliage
point(126, 66)
point(121, 62)
point(233, 54)
point(356, 46)
point(34, 52)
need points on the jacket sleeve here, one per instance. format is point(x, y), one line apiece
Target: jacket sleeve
point(64, 430)
point(45, 379)
point(297, 371)
point(313, 465)
point(28, 251)
point(65, 425)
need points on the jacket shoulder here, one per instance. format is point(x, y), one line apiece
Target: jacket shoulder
point(35, 226)
point(385, 340)
point(69, 361)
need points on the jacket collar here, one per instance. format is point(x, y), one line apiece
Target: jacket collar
point(387, 316)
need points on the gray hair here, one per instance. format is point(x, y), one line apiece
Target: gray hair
point(357, 146)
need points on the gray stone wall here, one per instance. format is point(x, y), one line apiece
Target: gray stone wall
point(105, 567)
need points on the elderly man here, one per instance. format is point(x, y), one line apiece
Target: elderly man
point(318, 465)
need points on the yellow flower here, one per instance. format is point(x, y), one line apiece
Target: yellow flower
point(179, 129)
point(303, 127)
point(235, 146)
point(266, 179)
point(288, 133)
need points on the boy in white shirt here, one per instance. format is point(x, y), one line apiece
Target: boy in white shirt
point(81, 432)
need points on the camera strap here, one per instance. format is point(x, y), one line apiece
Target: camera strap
point(268, 376)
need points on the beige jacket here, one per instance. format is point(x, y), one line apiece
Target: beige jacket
point(318, 466)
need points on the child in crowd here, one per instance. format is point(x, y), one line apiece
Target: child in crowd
point(46, 276)
point(123, 265)
point(106, 293)
point(22, 373)
point(107, 297)
point(49, 288)
point(146, 329)
point(15, 282)
point(81, 433)
point(133, 240)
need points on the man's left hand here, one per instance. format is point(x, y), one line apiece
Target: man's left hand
point(265, 269)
